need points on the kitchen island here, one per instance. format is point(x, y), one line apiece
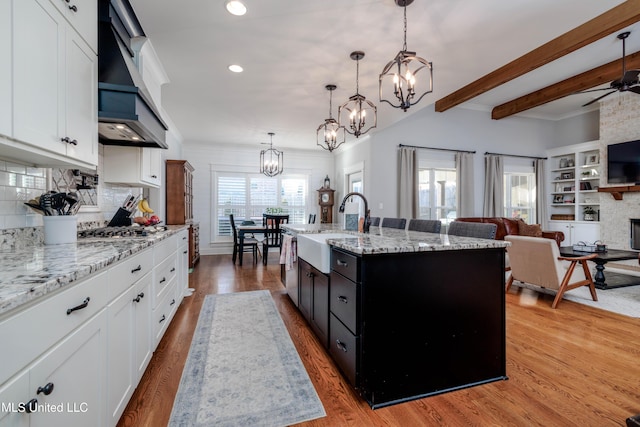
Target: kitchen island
point(410, 314)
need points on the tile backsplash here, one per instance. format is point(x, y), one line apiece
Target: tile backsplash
point(18, 184)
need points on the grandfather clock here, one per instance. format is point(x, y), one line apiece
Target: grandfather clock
point(325, 200)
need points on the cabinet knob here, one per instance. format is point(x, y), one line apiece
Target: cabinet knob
point(139, 297)
point(31, 406)
point(172, 269)
point(164, 279)
point(154, 176)
point(162, 319)
point(342, 263)
point(173, 301)
point(343, 299)
point(69, 140)
point(47, 389)
point(342, 346)
point(73, 7)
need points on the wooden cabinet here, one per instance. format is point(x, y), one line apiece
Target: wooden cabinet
point(314, 299)
point(179, 186)
point(54, 105)
point(133, 166)
point(194, 244)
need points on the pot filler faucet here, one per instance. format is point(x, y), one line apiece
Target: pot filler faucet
point(367, 212)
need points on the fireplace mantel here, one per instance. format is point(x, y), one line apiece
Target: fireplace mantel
point(618, 192)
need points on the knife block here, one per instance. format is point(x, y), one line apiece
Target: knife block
point(122, 218)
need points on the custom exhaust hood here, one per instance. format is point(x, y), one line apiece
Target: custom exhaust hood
point(127, 114)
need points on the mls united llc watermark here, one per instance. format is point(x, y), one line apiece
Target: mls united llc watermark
point(30, 407)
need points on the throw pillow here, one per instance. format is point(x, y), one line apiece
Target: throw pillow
point(532, 230)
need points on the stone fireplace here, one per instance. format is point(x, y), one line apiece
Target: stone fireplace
point(619, 122)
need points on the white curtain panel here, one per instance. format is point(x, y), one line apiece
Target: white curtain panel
point(541, 205)
point(408, 182)
point(464, 184)
point(493, 186)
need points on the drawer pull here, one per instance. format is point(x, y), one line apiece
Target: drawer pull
point(164, 279)
point(343, 299)
point(31, 406)
point(309, 274)
point(172, 269)
point(47, 389)
point(342, 346)
point(162, 319)
point(139, 297)
point(184, 252)
point(84, 304)
point(74, 8)
point(138, 268)
point(342, 263)
point(173, 301)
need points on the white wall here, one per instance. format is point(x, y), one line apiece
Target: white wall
point(206, 158)
point(458, 129)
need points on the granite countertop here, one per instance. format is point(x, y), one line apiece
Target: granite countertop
point(32, 272)
point(381, 240)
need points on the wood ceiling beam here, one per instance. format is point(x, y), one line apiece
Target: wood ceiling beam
point(587, 80)
point(612, 20)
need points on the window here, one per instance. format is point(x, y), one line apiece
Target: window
point(248, 196)
point(437, 194)
point(519, 196)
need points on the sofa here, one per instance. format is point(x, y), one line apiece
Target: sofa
point(516, 227)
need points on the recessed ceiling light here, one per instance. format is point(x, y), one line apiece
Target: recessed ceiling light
point(235, 68)
point(236, 7)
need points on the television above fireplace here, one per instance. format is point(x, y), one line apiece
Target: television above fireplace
point(623, 162)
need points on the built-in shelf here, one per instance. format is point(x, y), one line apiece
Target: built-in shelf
point(618, 192)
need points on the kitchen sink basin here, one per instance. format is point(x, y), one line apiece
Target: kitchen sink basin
point(314, 249)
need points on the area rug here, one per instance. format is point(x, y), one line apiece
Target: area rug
point(625, 300)
point(243, 369)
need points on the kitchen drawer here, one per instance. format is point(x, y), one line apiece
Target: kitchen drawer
point(128, 271)
point(343, 347)
point(183, 237)
point(344, 301)
point(164, 275)
point(29, 333)
point(345, 264)
point(163, 314)
point(13, 394)
point(163, 249)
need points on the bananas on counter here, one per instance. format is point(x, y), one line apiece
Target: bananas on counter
point(143, 206)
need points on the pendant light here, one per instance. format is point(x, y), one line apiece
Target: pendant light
point(271, 160)
point(357, 110)
point(330, 135)
point(402, 72)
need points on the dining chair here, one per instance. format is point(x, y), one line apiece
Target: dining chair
point(537, 261)
point(273, 233)
point(394, 223)
point(480, 230)
point(375, 221)
point(425, 225)
point(250, 244)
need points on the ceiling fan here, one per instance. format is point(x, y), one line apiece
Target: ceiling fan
point(628, 82)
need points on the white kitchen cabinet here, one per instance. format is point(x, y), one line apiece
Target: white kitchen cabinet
point(575, 231)
point(81, 15)
point(183, 263)
point(133, 166)
point(129, 344)
point(77, 369)
point(54, 86)
point(5, 68)
point(14, 394)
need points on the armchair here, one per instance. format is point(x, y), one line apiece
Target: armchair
point(538, 262)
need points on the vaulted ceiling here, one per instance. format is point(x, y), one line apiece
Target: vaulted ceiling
point(291, 49)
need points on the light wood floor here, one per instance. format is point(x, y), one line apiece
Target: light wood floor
point(573, 366)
